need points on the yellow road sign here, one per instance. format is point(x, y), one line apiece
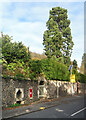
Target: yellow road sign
point(73, 78)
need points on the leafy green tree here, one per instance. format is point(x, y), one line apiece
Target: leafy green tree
point(14, 51)
point(6, 47)
point(20, 52)
point(57, 39)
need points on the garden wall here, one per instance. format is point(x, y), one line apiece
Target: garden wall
point(18, 91)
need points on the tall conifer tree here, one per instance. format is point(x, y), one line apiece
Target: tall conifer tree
point(57, 39)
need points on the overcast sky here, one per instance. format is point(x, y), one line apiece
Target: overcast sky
point(26, 22)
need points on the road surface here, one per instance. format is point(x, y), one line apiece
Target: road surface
point(67, 109)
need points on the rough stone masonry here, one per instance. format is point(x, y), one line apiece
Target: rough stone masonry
point(18, 91)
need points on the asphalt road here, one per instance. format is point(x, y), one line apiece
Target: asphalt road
point(68, 109)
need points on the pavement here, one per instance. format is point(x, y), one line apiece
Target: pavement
point(37, 106)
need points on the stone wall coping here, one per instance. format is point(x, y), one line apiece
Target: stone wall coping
point(11, 77)
point(28, 79)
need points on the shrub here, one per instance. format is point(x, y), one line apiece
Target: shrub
point(82, 78)
point(35, 68)
point(51, 68)
point(19, 69)
point(54, 70)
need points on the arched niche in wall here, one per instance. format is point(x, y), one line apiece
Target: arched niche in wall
point(19, 95)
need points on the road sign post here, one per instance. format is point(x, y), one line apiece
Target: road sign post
point(72, 79)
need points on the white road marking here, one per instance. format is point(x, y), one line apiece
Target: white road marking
point(78, 111)
point(59, 110)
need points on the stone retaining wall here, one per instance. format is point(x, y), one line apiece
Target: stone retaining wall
point(14, 91)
